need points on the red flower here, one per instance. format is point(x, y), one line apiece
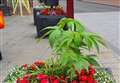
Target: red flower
point(92, 71)
point(25, 66)
point(94, 81)
point(41, 76)
point(33, 67)
point(62, 78)
point(82, 82)
point(90, 79)
point(74, 81)
point(86, 76)
point(77, 73)
point(27, 75)
point(44, 81)
point(39, 63)
point(24, 80)
point(82, 72)
point(44, 11)
point(54, 79)
point(18, 80)
point(83, 78)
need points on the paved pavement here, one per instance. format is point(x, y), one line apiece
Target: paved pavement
point(104, 23)
point(106, 2)
point(19, 45)
point(83, 7)
point(99, 18)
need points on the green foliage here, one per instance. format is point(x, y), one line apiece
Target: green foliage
point(103, 76)
point(71, 58)
point(75, 36)
point(92, 60)
point(71, 25)
point(67, 39)
point(14, 74)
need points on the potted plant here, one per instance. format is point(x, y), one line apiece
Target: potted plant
point(50, 13)
point(48, 17)
point(37, 6)
point(69, 64)
point(41, 5)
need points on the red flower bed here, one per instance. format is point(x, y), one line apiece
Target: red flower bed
point(52, 11)
point(82, 76)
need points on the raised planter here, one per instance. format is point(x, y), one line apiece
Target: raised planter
point(35, 10)
point(43, 21)
point(52, 2)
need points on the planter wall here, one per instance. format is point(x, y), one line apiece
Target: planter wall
point(35, 10)
point(43, 21)
point(52, 2)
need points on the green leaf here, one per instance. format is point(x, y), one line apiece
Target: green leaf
point(96, 45)
point(77, 39)
point(99, 40)
point(54, 36)
point(92, 60)
point(79, 26)
point(71, 26)
point(82, 63)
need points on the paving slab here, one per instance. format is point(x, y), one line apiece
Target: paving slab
point(104, 23)
point(81, 6)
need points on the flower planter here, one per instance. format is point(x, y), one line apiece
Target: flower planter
point(82, 76)
point(35, 10)
point(43, 21)
point(69, 64)
point(52, 2)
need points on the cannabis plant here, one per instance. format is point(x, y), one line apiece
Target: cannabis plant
point(68, 38)
point(70, 34)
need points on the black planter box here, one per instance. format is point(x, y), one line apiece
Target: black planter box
point(35, 10)
point(43, 21)
point(52, 2)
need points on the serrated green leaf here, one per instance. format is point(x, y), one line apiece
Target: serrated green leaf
point(54, 36)
point(92, 60)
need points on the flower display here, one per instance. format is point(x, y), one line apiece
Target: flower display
point(52, 11)
point(70, 65)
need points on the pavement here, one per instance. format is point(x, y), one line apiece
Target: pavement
point(87, 7)
point(95, 15)
point(106, 2)
point(106, 24)
point(19, 45)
